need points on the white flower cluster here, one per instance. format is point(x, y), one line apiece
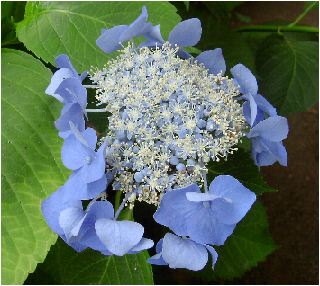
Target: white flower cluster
point(169, 118)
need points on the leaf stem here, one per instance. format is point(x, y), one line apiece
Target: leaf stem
point(303, 14)
point(277, 28)
point(122, 205)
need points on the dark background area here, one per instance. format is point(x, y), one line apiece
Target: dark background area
point(293, 210)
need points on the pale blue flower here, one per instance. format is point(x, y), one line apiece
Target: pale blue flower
point(78, 154)
point(65, 71)
point(207, 218)
point(266, 138)
point(180, 252)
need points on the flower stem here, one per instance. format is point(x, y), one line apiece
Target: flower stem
point(205, 183)
point(120, 208)
point(303, 14)
point(96, 110)
point(276, 28)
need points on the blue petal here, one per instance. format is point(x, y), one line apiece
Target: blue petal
point(144, 243)
point(119, 236)
point(80, 190)
point(69, 220)
point(183, 253)
point(186, 33)
point(204, 227)
point(245, 79)
point(153, 37)
point(200, 197)
point(270, 153)
point(74, 154)
point(175, 209)
point(72, 91)
point(214, 255)
point(87, 232)
point(58, 77)
point(90, 137)
point(96, 169)
point(70, 113)
point(273, 129)
point(63, 61)
point(253, 109)
point(109, 39)
point(53, 205)
point(136, 28)
point(213, 60)
point(235, 199)
point(78, 247)
point(157, 260)
point(265, 105)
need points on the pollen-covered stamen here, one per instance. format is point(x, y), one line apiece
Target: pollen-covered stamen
point(169, 118)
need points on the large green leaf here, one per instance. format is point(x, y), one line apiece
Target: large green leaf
point(52, 28)
point(250, 244)
point(240, 166)
point(31, 167)
point(64, 266)
point(288, 73)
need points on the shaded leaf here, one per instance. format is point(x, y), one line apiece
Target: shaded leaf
point(250, 244)
point(31, 169)
point(288, 73)
point(64, 266)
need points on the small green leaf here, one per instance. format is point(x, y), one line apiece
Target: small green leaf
point(240, 166)
point(250, 244)
point(288, 73)
point(31, 167)
point(64, 266)
point(53, 28)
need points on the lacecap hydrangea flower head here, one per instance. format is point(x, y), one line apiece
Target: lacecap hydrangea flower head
point(171, 114)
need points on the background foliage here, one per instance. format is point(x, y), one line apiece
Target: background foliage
point(284, 57)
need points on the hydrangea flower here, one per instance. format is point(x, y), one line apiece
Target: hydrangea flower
point(266, 138)
point(256, 106)
point(66, 86)
point(79, 155)
point(65, 71)
point(268, 129)
point(171, 114)
point(207, 218)
point(82, 229)
point(180, 252)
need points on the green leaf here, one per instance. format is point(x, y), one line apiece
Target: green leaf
point(31, 169)
point(64, 266)
point(288, 73)
point(53, 28)
point(240, 166)
point(250, 244)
